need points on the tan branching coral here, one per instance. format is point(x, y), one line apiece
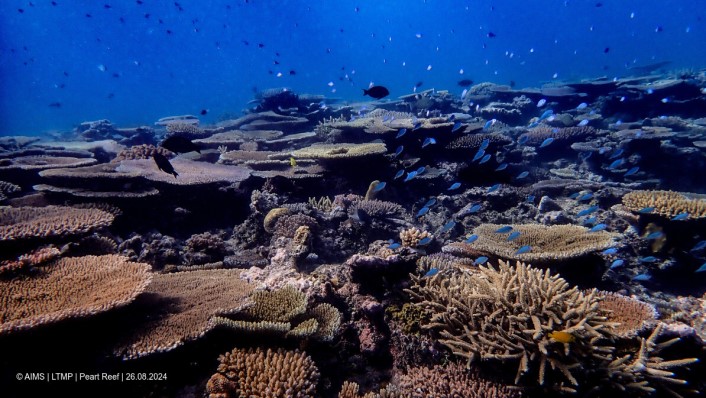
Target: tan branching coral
point(352, 390)
point(255, 372)
point(630, 315)
point(70, 288)
point(341, 151)
point(280, 305)
point(667, 203)
point(328, 321)
point(180, 305)
point(518, 313)
point(410, 237)
point(323, 204)
point(378, 208)
point(452, 381)
point(547, 243)
point(42, 222)
point(144, 151)
point(569, 134)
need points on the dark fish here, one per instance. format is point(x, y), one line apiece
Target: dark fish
point(491, 35)
point(606, 50)
point(419, 84)
point(292, 72)
point(179, 144)
point(204, 111)
point(465, 82)
point(376, 92)
point(163, 164)
point(55, 105)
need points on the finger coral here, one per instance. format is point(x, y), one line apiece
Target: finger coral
point(267, 374)
point(70, 288)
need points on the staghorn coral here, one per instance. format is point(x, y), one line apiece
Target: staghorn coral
point(180, 305)
point(630, 315)
point(548, 243)
point(144, 151)
point(352, 390)
point(666, 203)
point(70, 288)
point(328, 319)
point(567, 134)
point(266, 374)
point(410, 237)
point(340, 151)
point(451, 381)
point(323, 204)
point(643, 373)
point(511, 314)
point(442, 262)
point(41, 222)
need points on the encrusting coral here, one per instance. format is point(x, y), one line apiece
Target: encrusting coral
point(546, 243)
point(69, 288)
point(666, 203)
point(255, 372)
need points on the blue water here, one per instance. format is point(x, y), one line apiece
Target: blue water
point(51, 54)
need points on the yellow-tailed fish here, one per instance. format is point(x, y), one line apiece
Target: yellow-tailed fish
point(562, 337)
point(292, 162)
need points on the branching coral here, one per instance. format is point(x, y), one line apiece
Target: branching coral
point(265, 374)
point(515, 314)
point(630, 315)
point(410, 237)
point(666, 203)
point(568, 134)
point(546, 243)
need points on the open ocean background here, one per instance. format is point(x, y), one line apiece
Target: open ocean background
point(133, 63)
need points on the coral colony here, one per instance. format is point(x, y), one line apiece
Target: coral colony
point(506, 243)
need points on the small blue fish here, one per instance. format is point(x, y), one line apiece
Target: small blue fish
point(533, 124)
point(474, 208)
point(480, 260)
point(598, 227)
point(616, 264)
point(530, 198)
point(502, 167)
point(410, 175)
point(452, 118)
point(484, 144)
point(617, 153)
point(503, 230)
point(523, 139)
point(494, 188)
point(522, 175)
point(632, 171)
point(471, 239)
point(523, 249)
point(484, 158)
point(449, 225)
point(380, 186)
point(574, 195)
point(487, 125)
point(702, 268)
point(610, 251)
point(646, 210)
point(546, 142)
point(428, 141)
point(399, 174)
point(546, 114)
point(478, 155)
point(582, 123)
point(399, 150)
point(417, 125)
point(581, 106)
point(400, 133)
point(642, 277)
point(422, 211)
point(680, 216)
point(421, 170)
point(394, 245)
point(431, 202)
point(698, 246)
point(655, 235)
point(648, 259)
point(454, 186)
point(589, 221)
point(424, 241)
point(456, 126)
point(431, 272)
point(586, 196)
point(541, 103)
point(616, 163)
point(588, 211)
point(513, 236)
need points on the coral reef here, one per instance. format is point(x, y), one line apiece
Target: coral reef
point(666, 203)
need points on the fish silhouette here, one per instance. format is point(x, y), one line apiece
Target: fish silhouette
point(163, 164)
